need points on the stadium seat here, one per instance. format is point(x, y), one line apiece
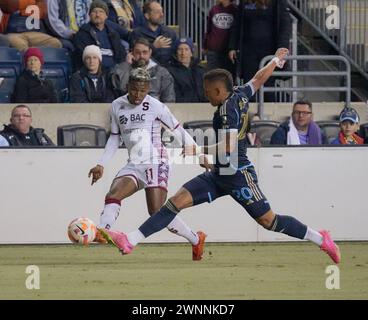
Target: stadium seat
point(330, 129)
point(363, 132)
point(11, 58)
point(8, 78)
point(201, 131)
point(60, 82)
point(57, 58)
point(58, 69)
point(264, 130)
point(81, 135)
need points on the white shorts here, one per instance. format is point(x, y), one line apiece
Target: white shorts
point(147, 175)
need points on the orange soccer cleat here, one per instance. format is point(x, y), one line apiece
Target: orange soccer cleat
point(197, 250)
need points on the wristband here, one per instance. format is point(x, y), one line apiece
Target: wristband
point(279, 63)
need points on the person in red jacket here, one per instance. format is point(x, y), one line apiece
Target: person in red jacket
point(220, 20)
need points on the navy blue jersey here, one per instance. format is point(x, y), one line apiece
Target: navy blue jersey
point(233, 114)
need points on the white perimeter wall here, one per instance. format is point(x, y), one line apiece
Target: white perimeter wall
point(42, 190)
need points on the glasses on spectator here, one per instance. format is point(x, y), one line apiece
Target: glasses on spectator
point(302, 113)
point(21, 115)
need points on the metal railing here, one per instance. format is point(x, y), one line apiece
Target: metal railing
point(342, 23)
point(294, 88)
point(190, 16)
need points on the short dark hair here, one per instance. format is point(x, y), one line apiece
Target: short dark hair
point(147, 6)
point(143, 41)
point(303, 102)
point(220, 75)
point(21, 106)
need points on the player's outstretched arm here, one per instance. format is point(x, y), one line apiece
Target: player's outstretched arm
point(263, 74)
point(111, 146)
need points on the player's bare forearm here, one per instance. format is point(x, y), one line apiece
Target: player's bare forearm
point(265, 73)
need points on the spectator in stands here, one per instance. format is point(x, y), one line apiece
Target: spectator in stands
point(20, 132)
point(126, 13)
point(160, 36)
point(349, 125)
point(187, 73)
point(32, 86)
point(101, 33)
point(92, 83)
point(300, 129)
point(18, 31)
point(64, 18)
point(216, 41)
point(162, 83)
point(260, 27)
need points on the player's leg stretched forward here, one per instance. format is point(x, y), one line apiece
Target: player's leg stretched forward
point(258, 208)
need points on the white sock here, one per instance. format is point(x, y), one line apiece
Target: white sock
point(135, 237)
point(179, 227)
point(314, 236)
point(109, 215)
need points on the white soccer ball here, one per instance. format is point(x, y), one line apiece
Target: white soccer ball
point(82, 230)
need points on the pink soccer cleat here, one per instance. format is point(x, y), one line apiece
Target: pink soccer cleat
point(330, 247)
point(118, 239)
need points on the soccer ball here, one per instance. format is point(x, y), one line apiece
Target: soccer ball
point(82, 230)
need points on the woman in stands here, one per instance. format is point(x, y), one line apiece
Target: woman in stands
point(92, 83)
point(32, 86)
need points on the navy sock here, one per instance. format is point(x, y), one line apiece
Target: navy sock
point(289, 225)
point(159, 220)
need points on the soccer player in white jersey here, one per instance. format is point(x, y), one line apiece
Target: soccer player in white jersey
point(137, 118)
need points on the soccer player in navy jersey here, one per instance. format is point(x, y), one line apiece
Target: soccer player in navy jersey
point(232, 173)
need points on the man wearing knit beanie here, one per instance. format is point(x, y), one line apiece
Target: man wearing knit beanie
point(101, 32)
point(99, 4)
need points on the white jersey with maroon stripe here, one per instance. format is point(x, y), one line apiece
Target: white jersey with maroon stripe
point(140, 128)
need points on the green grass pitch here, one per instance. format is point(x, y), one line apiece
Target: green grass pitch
point(165, 271)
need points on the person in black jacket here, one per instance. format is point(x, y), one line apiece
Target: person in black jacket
point(92, 83)
point(260, 27)
point(160, 36)
point(102, 33)
point(32, 86)
point(20, 132)
point(187, 73)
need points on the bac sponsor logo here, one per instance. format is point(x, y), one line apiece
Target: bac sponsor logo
point(134, 118)
point(223, 20)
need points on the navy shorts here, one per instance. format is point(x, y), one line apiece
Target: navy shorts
point(242, 187)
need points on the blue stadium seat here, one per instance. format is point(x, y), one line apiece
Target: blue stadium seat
point(60, 82)
point(11, 58)
point(57, 58)
point(8, 79)
point(58, 69)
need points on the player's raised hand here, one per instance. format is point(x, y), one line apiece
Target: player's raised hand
point(96, 173)
point(281, 53)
